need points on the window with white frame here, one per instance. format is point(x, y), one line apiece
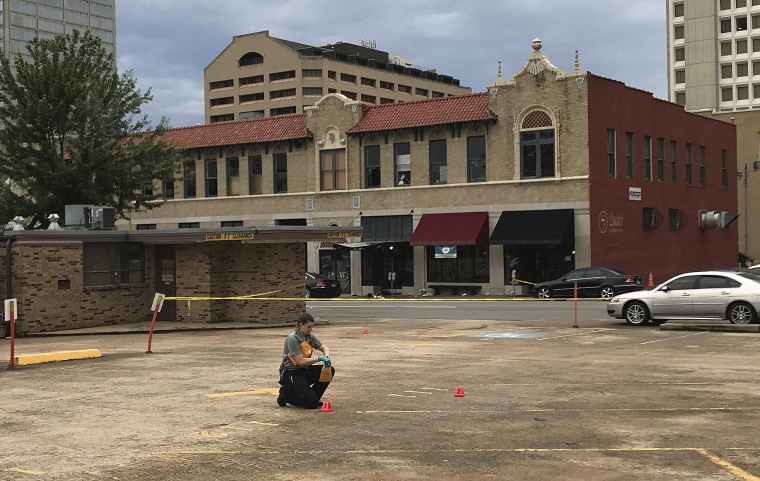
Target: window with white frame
point(537, 139)
point(332, 168)
point(403, 163)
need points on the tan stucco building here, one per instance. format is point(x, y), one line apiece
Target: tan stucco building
point(261, 76)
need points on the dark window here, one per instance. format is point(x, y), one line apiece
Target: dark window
point(647, 158)
point(438, 162)
point(254, 174)
point(386, 85)
point(278, 94)
point(210, 178)
point(680, 54)
point(256, 79)
point(189, 225)
point(436, 95)
point(652, 218)
point(673, 162)
point(167, 187)
point(403, 163)
point(537, 154)
point(470, 265)
point(233, 176)
point(189, 180)
point(312, 91)
point(220, 84)
point(724, 168)
point(702, 167)
point(222, 101)
point(611, 164)
point(661, 159)
point(232, 223)
point(146, 226)
point(421, 92)
point(333, 169)
point(476, 158)
point(351, 95)
point(280, 173)
point(282, 111)
point(369, 82)
point(689, 166)
point(109, 264)
point(678, 10)
point(371, 166)
point(716, 282)
point(384, 100)
point(345, 77)
point(222, 118)
point(629, 172)
point(311, 72)
point(370, 99)
point(331, 74)
point(676, 219)
point(251, 97)
point(288, 74)
point(683, 283)
point(251, 58)
point(404, 88)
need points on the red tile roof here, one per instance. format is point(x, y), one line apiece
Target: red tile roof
point(270, 129)
point(438, 111)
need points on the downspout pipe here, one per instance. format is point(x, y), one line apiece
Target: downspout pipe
point(8, 269)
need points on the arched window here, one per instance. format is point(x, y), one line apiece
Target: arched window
point(251, 58)
point(537, 141)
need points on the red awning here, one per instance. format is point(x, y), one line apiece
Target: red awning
point(454, 229)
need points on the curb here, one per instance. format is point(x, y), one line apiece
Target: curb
point(56, 356)
point(711, 327)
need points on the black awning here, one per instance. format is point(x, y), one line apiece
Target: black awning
point(534, 227)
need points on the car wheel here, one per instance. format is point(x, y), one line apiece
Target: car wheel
point(636, 314)
point(741, 313)
point(607, 292)
point(544, 293)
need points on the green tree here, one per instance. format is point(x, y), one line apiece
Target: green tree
point(71, 132)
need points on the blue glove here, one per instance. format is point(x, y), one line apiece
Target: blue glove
point(325, 360)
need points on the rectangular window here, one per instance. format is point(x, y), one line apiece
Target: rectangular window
point(369, 82)
point(251, 97)
point(688, 165)
point(476, 158)
point(331, 74)
point(254, 175)
point(724, 168)
point(146, 226)
point(233, 176)
point(312, 91)
point(741, 45)
point(470, 265)
point(167, 187)
point(232, 223)
point(421, 92)
point(629, 174)
point(222, 101)
point(673, 162)
point(189, 180)
point(404, 88)
point(611, 163)
point(256, 79)
point(678, 32)
point(371, 166)
point(333, 169)
point(680, 54)
point(279, 94)
point(438, 162)
point(189, 225)
point(370, 99)
point(346, 77)
point(210, 177)
point(726, 49)
point(403, 163)
point(351, 95)
point(276, 76)
point(113, 264)
point(280, 162)
point(311, 72)
point(647, 158)
point(680, 76)
point(702, 167)
point(386, 85)
point(678, 10)
point(220, 84)
point(537, 154)
point(661, 159)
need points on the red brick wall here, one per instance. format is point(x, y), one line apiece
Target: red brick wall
point(626, 245)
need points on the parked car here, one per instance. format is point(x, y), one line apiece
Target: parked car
point(731, 295)
point(592, 282)
point(318, 285)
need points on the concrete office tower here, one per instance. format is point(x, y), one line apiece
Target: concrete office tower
point(261, 76)
point(23, 20)
point(714, 70)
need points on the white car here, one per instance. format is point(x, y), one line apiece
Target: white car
point(731, 295)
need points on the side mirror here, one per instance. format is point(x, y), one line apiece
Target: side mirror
point(665, 289)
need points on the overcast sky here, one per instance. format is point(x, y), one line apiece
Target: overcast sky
point(168, 43)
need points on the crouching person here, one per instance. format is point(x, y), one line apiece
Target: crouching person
point(303, 381)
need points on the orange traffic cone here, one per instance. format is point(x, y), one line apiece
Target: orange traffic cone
point(650, 282)
point(365, 331)
point(459, 392)
point(326, 408)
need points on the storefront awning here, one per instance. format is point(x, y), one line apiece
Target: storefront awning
point(534, 227)
point(454, 229)
point(355, 246)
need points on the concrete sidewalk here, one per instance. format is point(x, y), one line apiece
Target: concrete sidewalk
point(161, 326)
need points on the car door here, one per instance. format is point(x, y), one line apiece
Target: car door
point(566, 288)
point(674, 299)
point(711, 295)
point(590, 283)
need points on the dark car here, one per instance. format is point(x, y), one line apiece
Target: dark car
point(318, 285)
point(592, 282)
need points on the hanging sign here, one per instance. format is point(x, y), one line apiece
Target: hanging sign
point(445, 252)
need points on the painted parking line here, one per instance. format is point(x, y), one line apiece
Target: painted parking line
point(254, 392)
point(677, 337)
point(582, 333)
point(718, 461)
point(24, 471)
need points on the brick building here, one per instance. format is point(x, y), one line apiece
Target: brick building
point(544, 172)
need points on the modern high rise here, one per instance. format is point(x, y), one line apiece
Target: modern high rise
point(261, 76)
point(714, 70)
point(23, 20)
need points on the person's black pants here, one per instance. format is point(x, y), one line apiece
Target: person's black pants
point(301, 387)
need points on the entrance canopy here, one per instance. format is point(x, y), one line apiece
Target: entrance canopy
point(452, 229)
point(534, 227)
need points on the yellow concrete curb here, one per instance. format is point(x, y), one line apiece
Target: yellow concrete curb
point(56, 356)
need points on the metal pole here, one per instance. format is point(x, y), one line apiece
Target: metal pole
point(746, 214)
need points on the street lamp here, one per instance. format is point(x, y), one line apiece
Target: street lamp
point(745, 178)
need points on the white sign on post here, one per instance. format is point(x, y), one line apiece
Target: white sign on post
point(158, 302)
point(11, 313)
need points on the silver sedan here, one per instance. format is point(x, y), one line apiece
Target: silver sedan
point(731, 295)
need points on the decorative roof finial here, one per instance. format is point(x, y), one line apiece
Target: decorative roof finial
point(577, 64)
point(499, 76)
point(536, 44)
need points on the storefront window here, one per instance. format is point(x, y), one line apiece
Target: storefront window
point(470, 265)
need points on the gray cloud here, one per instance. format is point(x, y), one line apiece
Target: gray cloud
point(168, 43)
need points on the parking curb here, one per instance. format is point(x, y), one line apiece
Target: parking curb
point(56, 356)
point(711, 327)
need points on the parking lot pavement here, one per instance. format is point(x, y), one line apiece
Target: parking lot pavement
point(542, 400)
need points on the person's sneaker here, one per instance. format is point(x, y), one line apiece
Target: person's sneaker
point(280, 401)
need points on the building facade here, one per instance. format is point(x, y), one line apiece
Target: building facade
point(714, 70)
point(23, 20)
point(261, 76)
point(547, 171)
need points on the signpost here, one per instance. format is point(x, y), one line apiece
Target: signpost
point(10, 314)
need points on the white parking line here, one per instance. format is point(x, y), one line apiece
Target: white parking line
point(673, 338)
point(583, 333)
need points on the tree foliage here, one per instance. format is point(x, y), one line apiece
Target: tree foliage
point(71, 132)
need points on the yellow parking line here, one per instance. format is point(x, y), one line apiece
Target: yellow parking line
point(274, 391)
point(735, 470)
point(583, 333)
point(24, 471)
